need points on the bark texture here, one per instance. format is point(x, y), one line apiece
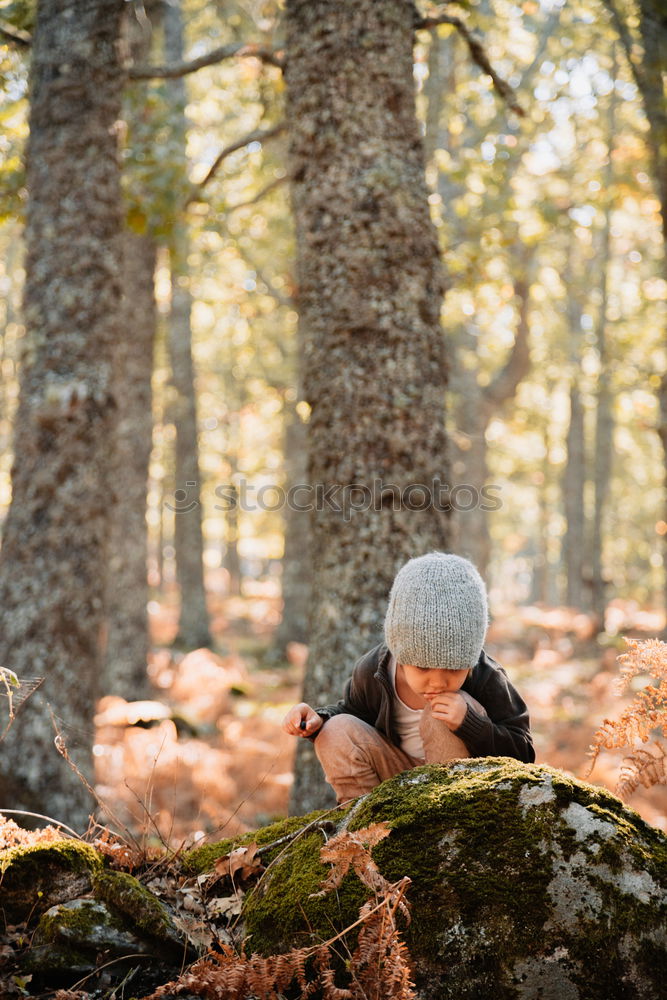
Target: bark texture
point(53, 558)
point(193, 625)
point(127, 586)
point(370, 290)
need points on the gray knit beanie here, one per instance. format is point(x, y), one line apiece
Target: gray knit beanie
point(437, 614)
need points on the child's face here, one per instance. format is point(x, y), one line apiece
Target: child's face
point(429, 683)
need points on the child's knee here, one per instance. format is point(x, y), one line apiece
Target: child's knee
point(336, 735)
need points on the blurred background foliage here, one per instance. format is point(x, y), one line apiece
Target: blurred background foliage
point(530, 196)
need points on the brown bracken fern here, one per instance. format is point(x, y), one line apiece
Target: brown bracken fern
point(378, 968)
point(646, 714)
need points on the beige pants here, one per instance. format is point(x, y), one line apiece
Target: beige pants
point(355, 757)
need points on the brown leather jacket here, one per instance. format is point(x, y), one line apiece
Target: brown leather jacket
point(505, 732)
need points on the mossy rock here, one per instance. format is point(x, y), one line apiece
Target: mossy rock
point(526, 883)
point(70, 937)
point(33, 878)
point(122, 919)
point(141, 911)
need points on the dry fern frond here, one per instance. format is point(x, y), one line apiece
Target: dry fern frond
point(642, 767)
point(638, 721)
point(648, 711)
point(351, 849)
point(380, 964)
point(644, 656)
point(332, 992)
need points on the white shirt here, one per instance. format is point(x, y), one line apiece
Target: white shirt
point(406, 719)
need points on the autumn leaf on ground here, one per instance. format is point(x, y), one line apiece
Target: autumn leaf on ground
point(245, 860)
point(226, 906)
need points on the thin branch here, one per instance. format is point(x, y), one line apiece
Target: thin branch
point(49, 819)
point(267, 189)
point(216, 56)
point(478, 56)
point(15, 35)
point(259, 135)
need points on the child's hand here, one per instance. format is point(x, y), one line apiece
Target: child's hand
point(301, 720)
point(450, 707)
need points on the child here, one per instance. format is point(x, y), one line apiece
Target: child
point(430, 694)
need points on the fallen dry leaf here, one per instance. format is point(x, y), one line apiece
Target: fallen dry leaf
point(225, 906)
point(245, 860)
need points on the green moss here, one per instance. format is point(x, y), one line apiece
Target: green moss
point(202, 859)
point(77, 923)
point(73, 854)
point(284, 910)
point(124, 893)
point(35, 876)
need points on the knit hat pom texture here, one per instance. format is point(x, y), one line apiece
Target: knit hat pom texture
point(437, 614)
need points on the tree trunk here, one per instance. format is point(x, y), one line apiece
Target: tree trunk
point(296, 563)
point(232, 561)
point(470, 528)
point(476, 408)
point(54, 554)
point(370, 290)
point(127, 586)
point(574, 477)
point(9, 338)
point(193, 625)
point(573, 491)
point(604, 418)
point(650, 69)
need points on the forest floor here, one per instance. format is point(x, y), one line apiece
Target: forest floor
point(208, 757)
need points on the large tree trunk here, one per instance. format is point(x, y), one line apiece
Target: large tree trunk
point(127, 585)
point(370, 289)
point(193, 625)
point(54, 553)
